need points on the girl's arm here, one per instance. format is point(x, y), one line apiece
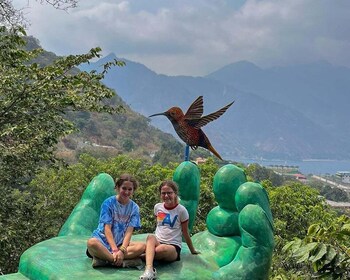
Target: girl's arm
point(127, 237)
point(109, 237)
point(110, 240)
point(187, 237)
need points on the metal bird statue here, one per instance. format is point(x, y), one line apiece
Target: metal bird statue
point(188, 126)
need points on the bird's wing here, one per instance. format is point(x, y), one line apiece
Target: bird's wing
point(208, 118)
point(195, 111)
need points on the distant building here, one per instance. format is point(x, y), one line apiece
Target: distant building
point(300, 177)
point(344, 176)
point(283, 169)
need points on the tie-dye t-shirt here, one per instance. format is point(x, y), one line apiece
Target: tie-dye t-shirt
point(120, 217)
point(169, 222)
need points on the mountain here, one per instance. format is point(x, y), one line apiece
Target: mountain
point(285, 113)
point(104, 135)
point(319, 90)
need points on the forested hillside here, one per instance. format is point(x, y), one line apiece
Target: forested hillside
point(104, 135)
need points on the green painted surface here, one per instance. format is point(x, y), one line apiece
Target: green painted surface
point(226, 182)
point(187, 177)
point(64, 257)
point(13, 276)
point(237, 245)
point(84, 217)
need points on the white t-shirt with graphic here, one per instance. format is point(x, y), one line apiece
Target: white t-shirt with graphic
point(169, 222)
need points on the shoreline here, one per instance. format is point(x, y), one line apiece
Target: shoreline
point(306, 166)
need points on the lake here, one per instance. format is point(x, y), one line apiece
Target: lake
point(316, 167)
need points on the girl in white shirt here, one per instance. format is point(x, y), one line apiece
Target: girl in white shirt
point(172, 224)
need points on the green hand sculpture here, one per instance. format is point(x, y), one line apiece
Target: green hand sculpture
point(237, 245)
point(240, 229)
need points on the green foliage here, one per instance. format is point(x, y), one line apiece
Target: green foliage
point(105, 135)
point(128, 145)
point(16, 216)
point(330, 192)
point(207, 198)
point(34, 100)
point(325, 249)
point(257, 173)
point(148, 194)
point(335, 194)
point(169, 152)
point(295, 207)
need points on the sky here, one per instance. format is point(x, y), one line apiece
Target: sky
point(197, 37)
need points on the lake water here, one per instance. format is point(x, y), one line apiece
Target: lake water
point(316, 167)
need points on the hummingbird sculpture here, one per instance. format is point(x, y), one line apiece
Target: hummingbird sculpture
point(188, 126)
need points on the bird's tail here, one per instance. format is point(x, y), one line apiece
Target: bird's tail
point(211, 148)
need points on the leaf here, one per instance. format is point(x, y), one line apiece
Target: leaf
point(313, 229)
point(303, 258)
point(331, 254)
point(291, 244)
point(345, 229)
point(302, 254)
point(320, 252)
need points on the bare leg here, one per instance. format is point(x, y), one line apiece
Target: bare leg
point(165, 252)
point(96, 249)
point(151, 245)
point(155, 250)
point(134, 250)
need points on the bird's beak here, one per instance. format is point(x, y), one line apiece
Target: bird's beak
point(159, 114)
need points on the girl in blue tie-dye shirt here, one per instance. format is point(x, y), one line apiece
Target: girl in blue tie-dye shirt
point(110, 242)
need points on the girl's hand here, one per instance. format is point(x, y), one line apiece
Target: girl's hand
point(114, 256)
point(118, 259)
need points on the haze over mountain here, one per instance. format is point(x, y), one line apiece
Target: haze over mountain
point(297, 112)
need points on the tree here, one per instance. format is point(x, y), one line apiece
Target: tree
point(295, 207)
point(34, 100)
point(128, 145)
point(324, 251)
point(259, 173)
point(330, 192)
point(170, 151)
point(207, 198)
point(12, 17)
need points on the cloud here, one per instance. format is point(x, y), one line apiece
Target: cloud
point(197, 37)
